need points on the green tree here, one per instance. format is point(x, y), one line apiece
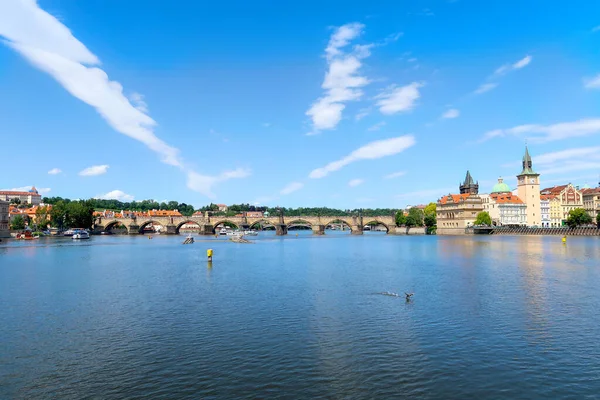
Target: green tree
point(400, 218)
point(483, 218)
point(415, 217)
point(578, 217)
point(430, 209)
point(42, 215)
point(15, 201)
point(17, 223)
point(430, 220)
point(598, 219)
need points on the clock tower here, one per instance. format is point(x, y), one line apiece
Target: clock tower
point(528, 184)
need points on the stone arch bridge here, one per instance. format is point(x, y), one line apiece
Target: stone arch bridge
point(207, 225)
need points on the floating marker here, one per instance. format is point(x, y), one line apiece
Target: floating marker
point(209, 254)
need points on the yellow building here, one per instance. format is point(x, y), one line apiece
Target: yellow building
point(563, 199)
point(456, 212)
point(591, 201)
point(528, 190)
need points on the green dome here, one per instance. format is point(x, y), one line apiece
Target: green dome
point(501, 187)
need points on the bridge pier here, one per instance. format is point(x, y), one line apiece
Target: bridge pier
point(207, 230)
point(171, 229)
point(281, 229)
point(98, 228)
point(356, 230)
point(133, 229)
point(318, 229)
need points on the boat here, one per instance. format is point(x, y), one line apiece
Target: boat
point(223, 231)
point(234, 233)
point(69, 232)
point(27, 235)
point(250, 232)
point(80, 234)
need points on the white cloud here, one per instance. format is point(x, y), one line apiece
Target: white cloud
point(592, 83)
point(94, 170)
point(452, 113)
point(292, 187)
point(376, 127)
point(370, 151)
point(51, 47)
point(569, 154)
point(363, 112)
point(27, 189)
point(512, 67)
point(342, 82)
point(596, 29)
point(116, 195)
point(54, 171)
point(399, 99)
point(203, 183)
point(138, 101)
point(356, 182)
point(486, 87)
point(548, 133)
point(395, 175)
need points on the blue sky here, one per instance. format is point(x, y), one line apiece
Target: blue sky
point(341, 104)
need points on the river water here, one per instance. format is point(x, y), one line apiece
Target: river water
point(301, 317)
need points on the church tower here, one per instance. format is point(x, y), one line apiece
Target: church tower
point(528, 184)
point(469, 185)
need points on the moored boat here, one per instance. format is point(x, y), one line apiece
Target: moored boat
point(80, 234)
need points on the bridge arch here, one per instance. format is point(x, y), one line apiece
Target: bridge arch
point(338, 221)
point(153, 222)
point(225, 221)
point(112, 224)
point(189, 221)
point(263, 223)
point(378, 222)
point(298, 221)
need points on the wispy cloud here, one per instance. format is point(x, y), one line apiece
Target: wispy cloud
point(27, 188)
point(266, 124)
point(51, 47)
point(204, 183)
point(370, 151)
point(363, 112)
point(596, 29)
point(395, 175)
point(548, 133)
point(451, 113)
point(292, 187)
point(426, 195)
point(399, 99)
point(116, 195)
point(525, 61)
point(376, 127)
point(342, 81)
point(54, 171)
point(592, 83)
point(94, 170)
point(486, 87)
point(356, 182)
point(138, 101)
point(503, 70)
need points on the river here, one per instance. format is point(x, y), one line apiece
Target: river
point(300, 317)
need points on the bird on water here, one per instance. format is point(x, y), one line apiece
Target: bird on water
point(408, 296)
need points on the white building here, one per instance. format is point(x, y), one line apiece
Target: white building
point(31, 197)
point(545, 206)
point(503, 206)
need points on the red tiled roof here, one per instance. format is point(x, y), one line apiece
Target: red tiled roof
point(455, 197)
point(10, 192)
point(506, 198)
point(554, 190)
point(591, 190)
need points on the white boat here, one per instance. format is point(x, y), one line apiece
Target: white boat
point(69, 232)
point(250, 233)
point(235, 233)
point(80, 234)
point(223, 231)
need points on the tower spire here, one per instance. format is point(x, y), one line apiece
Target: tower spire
point(527, 164)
